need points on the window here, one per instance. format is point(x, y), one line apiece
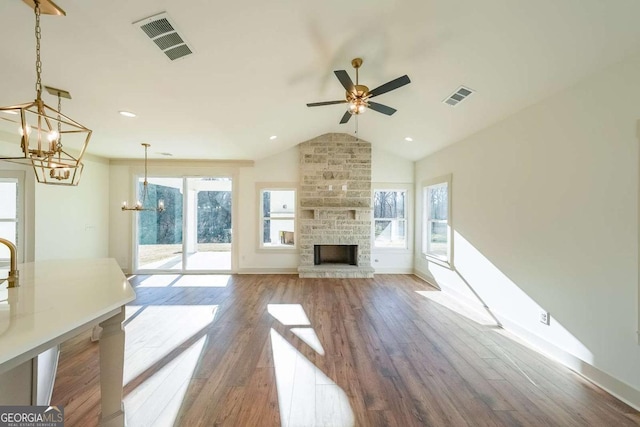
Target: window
point(436, 239)
point(390, 219)
point(277, 222)
point(10, 215)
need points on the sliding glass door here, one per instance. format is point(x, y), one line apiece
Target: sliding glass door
point(193, 233)
point(160, 233)
point(208, 242)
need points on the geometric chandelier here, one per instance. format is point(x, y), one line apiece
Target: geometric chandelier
point(40, 129)
point(141, 204)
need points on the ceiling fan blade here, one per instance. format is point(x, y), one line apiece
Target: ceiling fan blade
point(344, 78)
point(381, 108)
point(318, 104)
point(346, 117)
point(389, 86)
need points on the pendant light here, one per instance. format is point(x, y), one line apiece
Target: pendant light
point(140, 203)
point(40, 128)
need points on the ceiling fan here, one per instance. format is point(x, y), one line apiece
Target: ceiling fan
point(358, 96)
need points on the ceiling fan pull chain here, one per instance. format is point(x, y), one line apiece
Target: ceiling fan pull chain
point(357, 136)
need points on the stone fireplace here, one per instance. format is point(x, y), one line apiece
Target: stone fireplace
point(335, 207)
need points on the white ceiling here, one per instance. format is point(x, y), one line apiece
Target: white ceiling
point(257, 63)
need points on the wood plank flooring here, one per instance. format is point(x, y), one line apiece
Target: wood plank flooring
point(276, 350)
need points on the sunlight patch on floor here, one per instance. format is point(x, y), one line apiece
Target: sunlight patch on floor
point(447, 301)
point(289, 314)
point(157, 401)
point(131, 310)
point(158, 281)
point(306, 396)
point(209, 261)
point(203, 281)
point(309, 336)
point(476, 278)
point(157, 331)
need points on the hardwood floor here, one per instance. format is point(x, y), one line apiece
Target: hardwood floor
point(269, 350)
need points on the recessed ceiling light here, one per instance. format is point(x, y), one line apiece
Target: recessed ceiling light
point(272, 137)
point(408, 139)
point(127, 113)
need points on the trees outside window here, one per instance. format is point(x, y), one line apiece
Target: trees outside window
point(389, 218)
point(436, 239)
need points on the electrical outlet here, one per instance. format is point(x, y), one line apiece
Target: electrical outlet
point(545, 317)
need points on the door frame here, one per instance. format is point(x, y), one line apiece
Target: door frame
point(233, 176)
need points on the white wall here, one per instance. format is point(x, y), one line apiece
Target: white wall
point(120, 223)
point(73, 222)
point(388, 167)
point(67, 222)
point(545, 216)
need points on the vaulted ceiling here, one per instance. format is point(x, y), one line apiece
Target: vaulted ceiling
point(257, 63)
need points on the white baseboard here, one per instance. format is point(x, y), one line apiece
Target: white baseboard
point(426, 277)
point(612, 385)
point(393, 270)
point(267, 271)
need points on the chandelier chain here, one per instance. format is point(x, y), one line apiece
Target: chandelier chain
point(43, 149)
point(145, 164)
point(38, 61)
point(59, 145)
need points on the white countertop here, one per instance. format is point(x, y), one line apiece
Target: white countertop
point(55, 301)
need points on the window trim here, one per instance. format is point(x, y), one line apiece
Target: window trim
point(426, 184)
point(276, 186)
point(21, 217)
point(407, 188)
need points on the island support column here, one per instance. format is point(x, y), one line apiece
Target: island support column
point(111, 371)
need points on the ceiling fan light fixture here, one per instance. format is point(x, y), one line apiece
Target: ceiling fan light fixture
point(358, 97)
point(357, 106)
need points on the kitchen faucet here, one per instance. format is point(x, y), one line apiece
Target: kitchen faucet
point(12, 280)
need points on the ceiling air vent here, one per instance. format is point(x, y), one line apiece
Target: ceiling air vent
point(162, 31)
point(458, 96)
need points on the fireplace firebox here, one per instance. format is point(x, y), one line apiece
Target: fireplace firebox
point(335, 254)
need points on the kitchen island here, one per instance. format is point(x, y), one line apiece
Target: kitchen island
point(55, 301)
